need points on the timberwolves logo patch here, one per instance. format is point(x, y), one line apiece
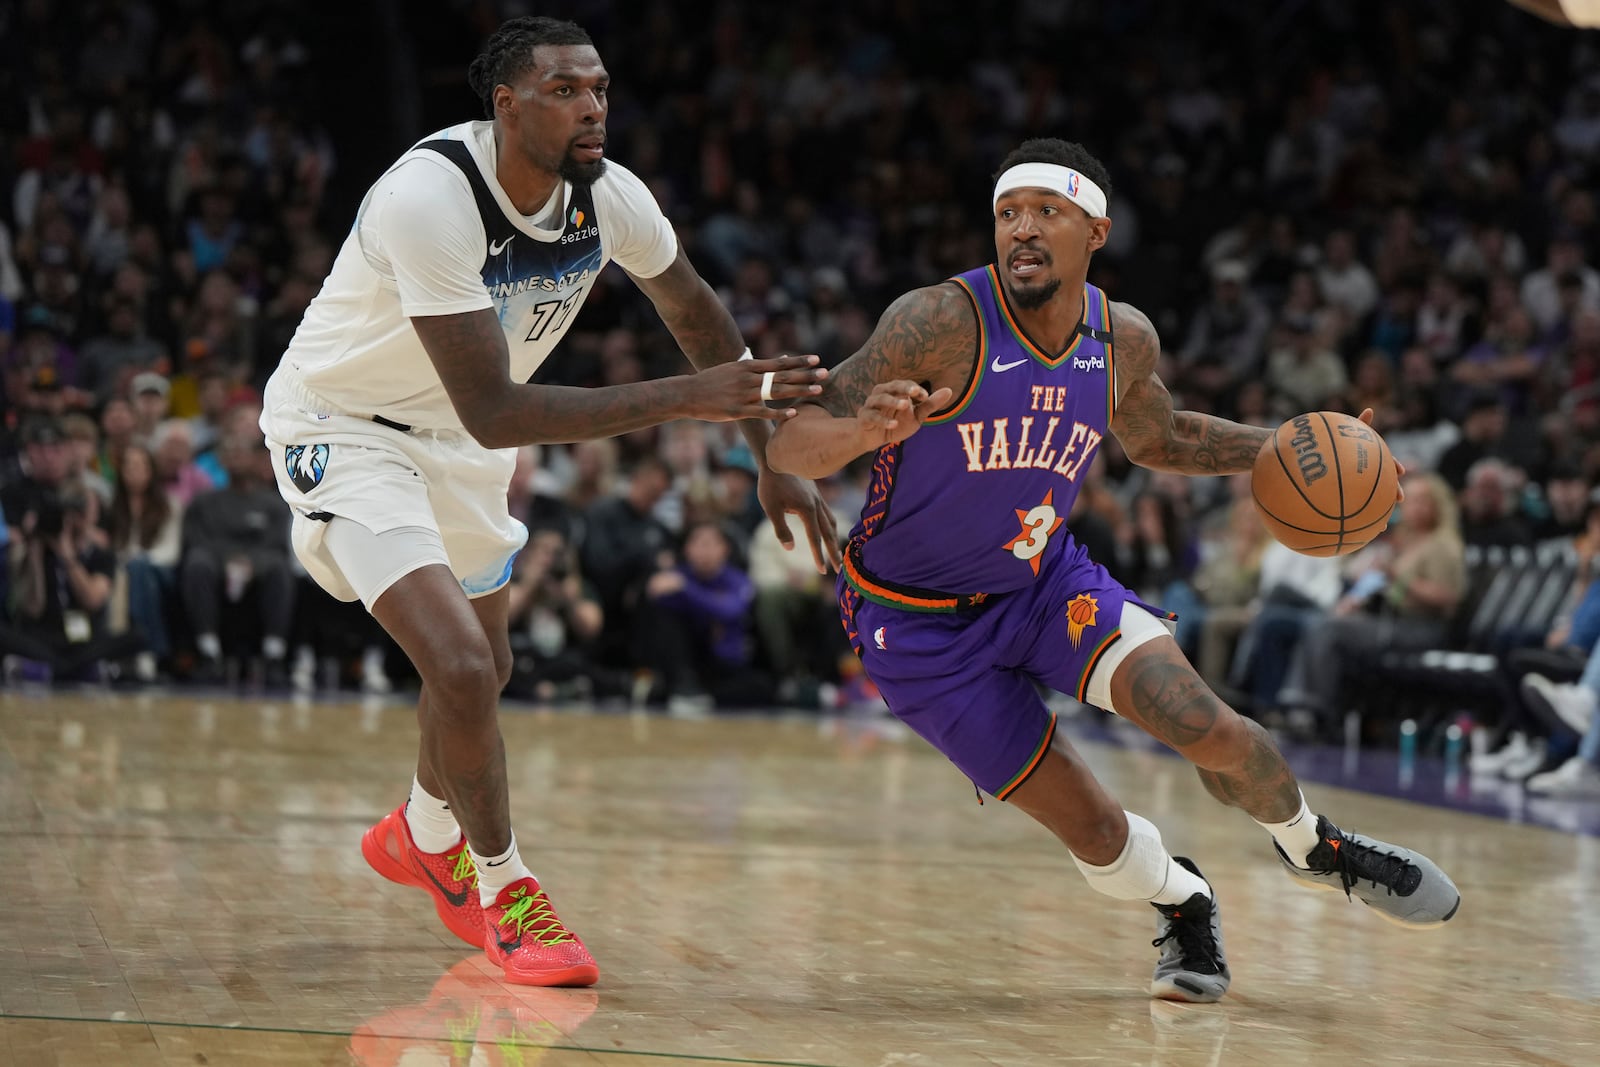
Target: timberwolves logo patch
point(305, 465)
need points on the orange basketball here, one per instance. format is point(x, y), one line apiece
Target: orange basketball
point(1324, 483)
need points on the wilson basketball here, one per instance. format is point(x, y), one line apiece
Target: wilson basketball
point(1324, 483)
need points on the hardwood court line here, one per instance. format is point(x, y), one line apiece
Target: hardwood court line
point(176, 1025)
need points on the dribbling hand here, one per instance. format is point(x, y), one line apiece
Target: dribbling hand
point(1399, 468)
point(895, 410)
point(740, 390)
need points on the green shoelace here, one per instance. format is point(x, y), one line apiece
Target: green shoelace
point(466, 870)
point(532, 916)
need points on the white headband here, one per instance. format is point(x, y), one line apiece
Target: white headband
point(1058, 179)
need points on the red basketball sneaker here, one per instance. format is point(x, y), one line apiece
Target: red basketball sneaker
point(527, 939)
point(449, 877)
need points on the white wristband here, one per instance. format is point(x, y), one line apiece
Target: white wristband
point(747, 355)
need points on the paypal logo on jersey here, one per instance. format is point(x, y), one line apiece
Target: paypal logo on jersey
point(1091, 363)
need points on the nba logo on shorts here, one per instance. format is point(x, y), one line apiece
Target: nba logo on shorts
point(1072, 183)
point(877, 638)
point(305, 465)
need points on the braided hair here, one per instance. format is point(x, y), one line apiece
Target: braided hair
point(508, 53)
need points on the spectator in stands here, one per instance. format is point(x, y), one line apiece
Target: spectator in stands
point(1489, 505)
point(235, 543)
point(1575, 704)
point(699, 648)
point(176, 469)
point(150, 393)
point(555, 621)
point(1411, 596)
point(624, 544)
point(146, 526)
point(60, 583)
point(1532, 677)
point(1483, 433)
point(83, 454)
point(1303, 369)
point(1344, 280)
point(1293, 592)
point(1541, 289)
point(1225, 339)
point(46, 463)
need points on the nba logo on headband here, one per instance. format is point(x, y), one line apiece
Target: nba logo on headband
point(1072, 183)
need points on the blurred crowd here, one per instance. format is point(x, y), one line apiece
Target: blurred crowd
point(1319, 208)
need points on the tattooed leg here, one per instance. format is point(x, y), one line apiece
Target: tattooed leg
point(1238, 762)
point(462, 752)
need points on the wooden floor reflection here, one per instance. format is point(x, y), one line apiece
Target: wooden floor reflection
point(182, 886)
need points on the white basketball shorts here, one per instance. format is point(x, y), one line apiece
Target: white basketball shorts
point(333, 464)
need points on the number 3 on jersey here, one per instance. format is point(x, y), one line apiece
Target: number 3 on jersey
point(551, 314)
point(1038, 524)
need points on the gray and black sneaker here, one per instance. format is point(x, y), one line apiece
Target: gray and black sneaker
point(1403, 886)
point(1192, 966)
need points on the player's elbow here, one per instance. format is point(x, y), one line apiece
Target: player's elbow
point(487, 428)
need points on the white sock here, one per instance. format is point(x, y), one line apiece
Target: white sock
point(274, 647)
point(497, 872)
point(433, 828)
point(1143, 870)
point(209, 646)
point(1298, 836)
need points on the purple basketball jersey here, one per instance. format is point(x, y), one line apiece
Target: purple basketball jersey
point(975, 503)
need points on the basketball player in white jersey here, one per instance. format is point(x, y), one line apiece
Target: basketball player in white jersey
point(394, 415)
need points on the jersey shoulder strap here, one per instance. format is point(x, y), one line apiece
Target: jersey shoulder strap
point(495, 224)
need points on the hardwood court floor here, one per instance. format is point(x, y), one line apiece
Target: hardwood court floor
point(181, 885)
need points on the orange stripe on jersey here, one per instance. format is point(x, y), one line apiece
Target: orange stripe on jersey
point(982, 356)
point(1022, 338)
point(891, 597)
point(1038, 754)
point(1094, 661)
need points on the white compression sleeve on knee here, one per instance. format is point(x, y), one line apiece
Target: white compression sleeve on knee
point(1143, 871)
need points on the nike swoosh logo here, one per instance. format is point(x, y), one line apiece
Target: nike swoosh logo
point(999, 367)
point(496, 249)
point(456, 899)
point(508, 947)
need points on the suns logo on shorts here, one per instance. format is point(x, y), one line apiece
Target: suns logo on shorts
point(1083, 611)
point(305, 465)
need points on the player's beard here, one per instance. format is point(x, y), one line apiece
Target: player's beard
point(1034, 296)
point(581, 173)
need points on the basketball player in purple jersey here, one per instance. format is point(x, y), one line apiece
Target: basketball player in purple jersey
point(985, 400)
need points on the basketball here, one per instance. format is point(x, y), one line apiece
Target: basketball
point(1324, 483)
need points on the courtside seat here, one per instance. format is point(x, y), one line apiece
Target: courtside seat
point(1513, 596)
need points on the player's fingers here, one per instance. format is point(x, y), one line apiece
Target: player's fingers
point(934, 402)
point(782, 390)
point(780, 526)
point(780, 363)
point(827, 529)
point(1399, 469)
point(808, 519)
point(1366, 416)
point(761, 411)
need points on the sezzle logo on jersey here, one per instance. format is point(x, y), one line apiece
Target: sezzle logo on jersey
point(580, 235)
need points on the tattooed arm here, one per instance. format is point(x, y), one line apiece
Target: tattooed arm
point(921, 353)
point(1155, 436)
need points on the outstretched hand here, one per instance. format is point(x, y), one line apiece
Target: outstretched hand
point(785, 494)
point(741, 389)
point(893, 411)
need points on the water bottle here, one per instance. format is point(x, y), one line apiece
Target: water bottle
point(1408, 752)
point(1408, 741)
